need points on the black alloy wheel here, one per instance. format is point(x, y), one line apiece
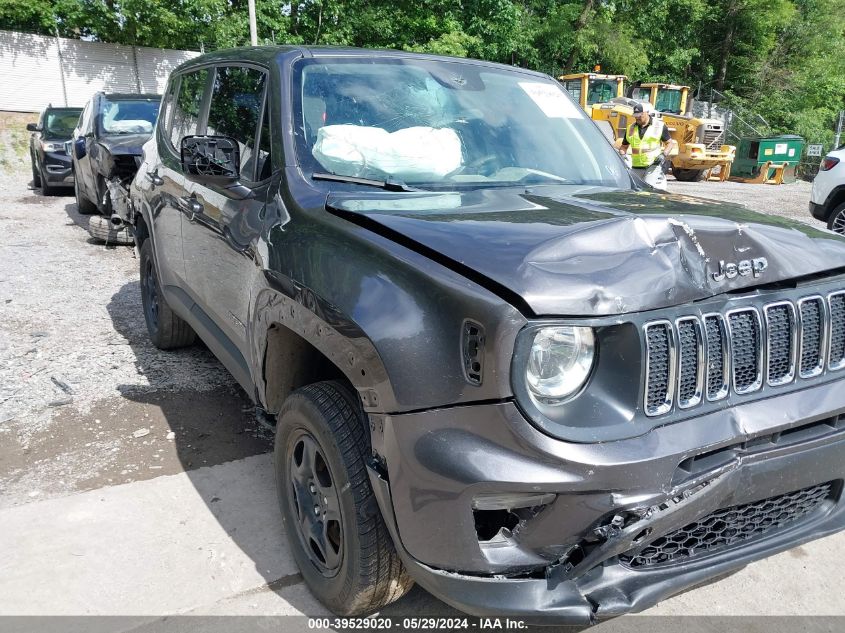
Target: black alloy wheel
point(149, 293)
point(336, 533)
point(315, 503)
point(167, 330)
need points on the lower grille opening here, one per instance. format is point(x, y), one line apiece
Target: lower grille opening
point(488, 523)
point(729, 527)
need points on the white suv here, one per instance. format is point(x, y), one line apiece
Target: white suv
point(827, 201)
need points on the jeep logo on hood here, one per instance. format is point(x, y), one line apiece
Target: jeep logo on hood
point(744, 267)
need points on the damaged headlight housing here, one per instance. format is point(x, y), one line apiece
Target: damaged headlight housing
point(559, 363)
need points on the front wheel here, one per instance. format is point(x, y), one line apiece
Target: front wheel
point(83, 204)
point(46, 188)
point(688, 175)
point(837, 220)
point(331, 517)
point(36, 174)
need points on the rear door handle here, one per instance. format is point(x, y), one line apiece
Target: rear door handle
point(190, 207)
point(154, 178)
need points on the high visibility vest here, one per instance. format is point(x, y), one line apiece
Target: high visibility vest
point(645, 150)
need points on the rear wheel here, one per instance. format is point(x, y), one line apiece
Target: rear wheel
point(331, 517)
point(83, 204)
point(166, 329)
point(837, 220)
point(688, 175)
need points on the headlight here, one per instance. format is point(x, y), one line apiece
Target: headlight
point(52, 147)
point(559, 362)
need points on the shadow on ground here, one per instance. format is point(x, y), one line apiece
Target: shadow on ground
point(215, 426)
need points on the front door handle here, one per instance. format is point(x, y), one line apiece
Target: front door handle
point(190, 207)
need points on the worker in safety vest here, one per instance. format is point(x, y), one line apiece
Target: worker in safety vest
point(649, 141)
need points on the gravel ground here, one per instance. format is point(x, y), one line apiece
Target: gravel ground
point(790, 200)
point(74, 347)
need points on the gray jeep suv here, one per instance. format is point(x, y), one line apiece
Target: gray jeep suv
point(499, 365)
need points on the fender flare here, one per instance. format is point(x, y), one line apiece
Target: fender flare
point(329, 331)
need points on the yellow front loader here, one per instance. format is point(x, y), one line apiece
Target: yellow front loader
point(592, 88)
point(702, 152)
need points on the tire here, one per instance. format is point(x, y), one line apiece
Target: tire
point(101, 229)
point(36, 175)
point(83, 204)
point(46, 188)
point(166, 329)
point(345, 555)
point(837, 220)
point(688, 175)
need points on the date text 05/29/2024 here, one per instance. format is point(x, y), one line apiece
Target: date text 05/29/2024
point(436, 624)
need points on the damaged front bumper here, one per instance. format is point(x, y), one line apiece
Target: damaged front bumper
point(618, 526)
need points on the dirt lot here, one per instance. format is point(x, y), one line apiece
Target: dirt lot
point(79, 379)
point(93, 416)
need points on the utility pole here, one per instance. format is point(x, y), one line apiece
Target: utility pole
point(253, 29)
point(62, 64)
point(838, 129)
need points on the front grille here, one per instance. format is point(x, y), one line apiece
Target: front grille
point(661, 360)
point(812, 336)
point(717, 377)
point(747, 349)
point(837, 330)
point(728, 527)
point(780, 321)
point(690, 363)
point(741, 350)
point(713, 138)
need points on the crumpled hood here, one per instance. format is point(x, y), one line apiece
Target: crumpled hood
point(597, 251)
point(125, 144)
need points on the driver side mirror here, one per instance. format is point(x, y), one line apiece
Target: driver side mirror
point(79, 148)
point(212, 160)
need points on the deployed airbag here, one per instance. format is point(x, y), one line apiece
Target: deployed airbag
point(412, 154)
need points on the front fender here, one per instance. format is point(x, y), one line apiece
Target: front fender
point(389, 318)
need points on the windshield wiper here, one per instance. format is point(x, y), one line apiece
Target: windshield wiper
point(389, 185)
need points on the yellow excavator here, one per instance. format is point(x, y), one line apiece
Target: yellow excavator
point(702, 152)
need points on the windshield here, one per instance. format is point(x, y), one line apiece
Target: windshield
point(59, 123)
point(668, 100)
point(445, 125)
point(128, 116)
point(601, 90)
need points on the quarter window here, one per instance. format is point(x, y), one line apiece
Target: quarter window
point(166, 118)
point(235, 111)
point(85, 120)
point(186, 112)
